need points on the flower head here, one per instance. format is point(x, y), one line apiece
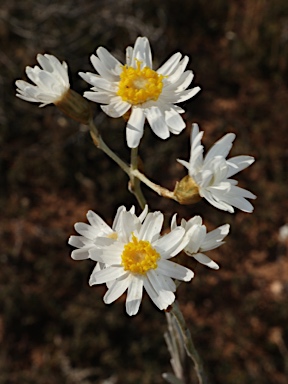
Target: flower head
point(196, 239)
point(147, 93)
point(211, 175)
point(137, 258)
point(51, 81)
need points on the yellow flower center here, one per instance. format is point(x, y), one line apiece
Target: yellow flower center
point(139, 85)
point(139, 256)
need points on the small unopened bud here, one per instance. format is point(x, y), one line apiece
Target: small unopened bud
point(75, 106)
point(186, 191)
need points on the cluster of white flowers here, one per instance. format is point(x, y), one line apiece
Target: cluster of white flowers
point(132, 255)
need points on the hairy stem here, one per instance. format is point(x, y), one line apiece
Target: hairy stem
point(189, 345)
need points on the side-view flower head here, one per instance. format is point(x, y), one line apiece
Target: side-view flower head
point(136, 87)
point(137, 258)
point(97, 233)
point(211, 175)
point(51, 81)
point(196, 239)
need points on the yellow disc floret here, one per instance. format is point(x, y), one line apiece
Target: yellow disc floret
point(139, 85)
point(139, 256)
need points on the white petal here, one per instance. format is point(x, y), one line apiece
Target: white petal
point(106, 275)
point(238, 163)
point(178, 72)
point(44, 61)
point(235, 197)
point(161, 299)
point(169, 66)
point(151, 227)
point(176, 271)
point(109, 61)
point(184, 163)
point(196, 220)
point(196, 153)
point(116, 109)
point(142, 52)
point(134, 295)
point(222, 147)
point(157, 122)
point(97, 222)
point(216, 203)
point(135, 127)
point(143, 213)
point(214, 238)
point(167, 244)
point(196, 235)
point(95, 254)
point(78, 241)
point(159, 282)
point(117, 219)
point(103, 85)
point(111, 255)
point(98, 97)
point(130, 224)
point(80, 254)
point(117, 289)
point(86, 230)
point(129, 55)
point(174, 121)
point(184, 81)
point(203, 259)
point(173, 221)
point(102, 69)
point(240, 203)
point(166, 282)
point(188, 94)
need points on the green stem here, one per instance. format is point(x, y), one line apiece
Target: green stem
point(189, 345)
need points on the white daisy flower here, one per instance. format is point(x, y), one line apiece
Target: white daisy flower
point(211, 175)
point(51, 81)
point(196, 239)
point(147, 93)
point(97, 233)
point(139, 258)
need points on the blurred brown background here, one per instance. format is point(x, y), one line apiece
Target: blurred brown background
point(54, 328)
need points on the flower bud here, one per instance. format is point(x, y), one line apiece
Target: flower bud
point(75, 106)
point(186, 191)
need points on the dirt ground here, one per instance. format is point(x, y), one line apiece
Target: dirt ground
point(54, 328)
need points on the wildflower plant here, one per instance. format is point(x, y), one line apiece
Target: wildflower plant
point(134, 255)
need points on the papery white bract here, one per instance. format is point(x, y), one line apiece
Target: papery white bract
point(137, 258)
point(148, 93)
point(196, 239)
point(212, 173)
point(51, 81)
